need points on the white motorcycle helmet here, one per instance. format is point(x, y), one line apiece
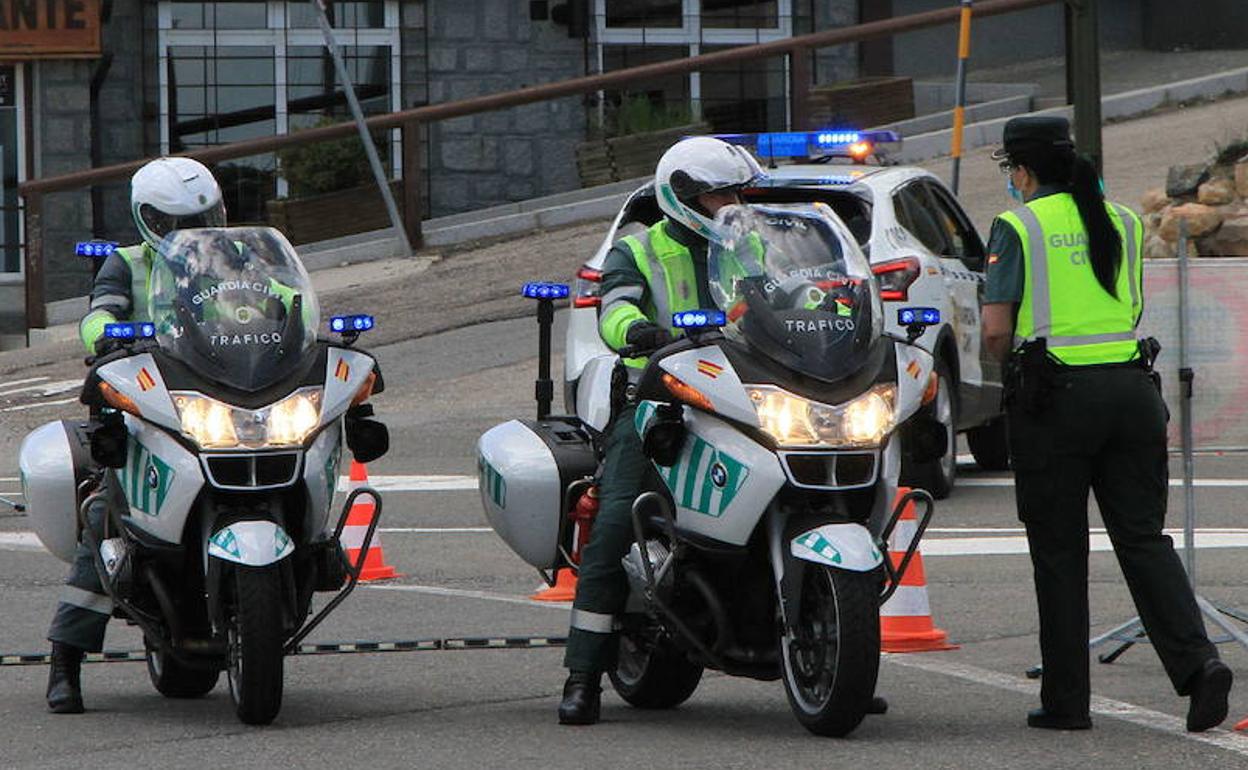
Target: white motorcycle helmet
point(696, 166)
point(174, 194)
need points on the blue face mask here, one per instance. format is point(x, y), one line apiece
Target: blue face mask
point(1014, 192)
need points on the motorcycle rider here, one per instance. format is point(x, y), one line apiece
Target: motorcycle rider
point(165, 195)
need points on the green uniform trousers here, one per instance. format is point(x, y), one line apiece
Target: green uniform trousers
point(1105, 431)
point(601, 586)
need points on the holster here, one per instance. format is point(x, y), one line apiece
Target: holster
point(1030, 378)
point(1150, 348)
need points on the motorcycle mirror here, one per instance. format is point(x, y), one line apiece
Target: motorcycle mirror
point(368, 440)
point(926, 440)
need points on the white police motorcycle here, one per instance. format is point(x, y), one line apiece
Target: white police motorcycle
point(776, 451)
point(212, 456)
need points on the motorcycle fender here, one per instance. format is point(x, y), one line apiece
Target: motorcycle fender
point(842, 546)
point(251, 543)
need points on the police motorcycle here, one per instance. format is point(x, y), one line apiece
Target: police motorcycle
point(214, 446)
point(774, 426)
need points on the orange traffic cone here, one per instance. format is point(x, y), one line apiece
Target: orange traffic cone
point(358, 519)
point(906, 618)
point(564, 589)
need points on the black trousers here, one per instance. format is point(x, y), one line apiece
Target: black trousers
point(1105, 432)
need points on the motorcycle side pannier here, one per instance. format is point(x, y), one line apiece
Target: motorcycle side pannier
point(524, 469)
point(54, 460)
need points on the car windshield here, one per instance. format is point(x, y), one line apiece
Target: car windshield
point(233, 304)
point(795, 287)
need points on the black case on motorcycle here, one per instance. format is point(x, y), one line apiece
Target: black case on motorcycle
point(569, 444)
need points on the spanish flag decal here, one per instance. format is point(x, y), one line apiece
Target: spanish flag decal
point(914, 370)
point(709, 368)
point(145, 380)
point(343, 372)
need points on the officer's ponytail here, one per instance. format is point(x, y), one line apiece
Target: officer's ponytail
point(1078, 174)
point(1104, 242)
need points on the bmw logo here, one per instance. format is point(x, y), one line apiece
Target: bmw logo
point(719, 475)
point(153, 477)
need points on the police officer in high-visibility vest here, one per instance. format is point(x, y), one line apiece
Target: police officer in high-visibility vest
point(646, 278)
point(166, 194)
point(1063, 300)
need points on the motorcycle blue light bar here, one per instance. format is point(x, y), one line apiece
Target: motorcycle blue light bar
point(927, 316)
point(351, 323)
point(807, 144)
point(545, 290)
point(130, 331)
point(95, 249)
point(698, 319)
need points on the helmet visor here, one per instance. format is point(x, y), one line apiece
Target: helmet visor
point(161, 224)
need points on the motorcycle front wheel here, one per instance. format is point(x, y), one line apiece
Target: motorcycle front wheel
point(653, 675)
point(255, 645)
point(831, 654)
point(174, 680)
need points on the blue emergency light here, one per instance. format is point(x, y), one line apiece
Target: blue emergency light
point(698, 319)
point(343, 324)
point(811, 144)
point(927, 316)
point(95, 249)
point(545, 290)
point(130, 331)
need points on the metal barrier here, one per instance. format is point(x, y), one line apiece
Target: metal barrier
point(798, 49)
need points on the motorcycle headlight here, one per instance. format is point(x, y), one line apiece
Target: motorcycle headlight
point(794, 421)
point(212, 424)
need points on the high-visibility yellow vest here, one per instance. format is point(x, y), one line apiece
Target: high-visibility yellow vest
point(667, 266)
point(1062, 300)
point(139, 258)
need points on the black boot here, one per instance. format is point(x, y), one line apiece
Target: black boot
point(582, 699)
point(878, 705)
point(64, 680)
point(1209, 689)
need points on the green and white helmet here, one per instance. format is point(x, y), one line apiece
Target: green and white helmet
point(696, 166)
point(174, 194)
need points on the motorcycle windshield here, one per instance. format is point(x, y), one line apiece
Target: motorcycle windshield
point(233, 304)
point(795, 287)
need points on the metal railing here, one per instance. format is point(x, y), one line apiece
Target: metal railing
point(797, 49)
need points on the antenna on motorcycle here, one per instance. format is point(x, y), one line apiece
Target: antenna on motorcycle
point(351, 326)
point(545, 293)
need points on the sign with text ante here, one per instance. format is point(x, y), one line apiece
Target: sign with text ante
point(49, 29)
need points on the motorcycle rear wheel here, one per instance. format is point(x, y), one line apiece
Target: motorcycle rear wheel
point(647, 676)
point(174, 680)
point(255, 645)
point(831, 659)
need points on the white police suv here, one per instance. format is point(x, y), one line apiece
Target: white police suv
point(923, 250)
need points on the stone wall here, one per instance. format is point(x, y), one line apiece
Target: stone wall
point(61, 143)
point(489, 46)
point(1212, 198)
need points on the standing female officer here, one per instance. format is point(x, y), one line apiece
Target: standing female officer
point(1062, 301)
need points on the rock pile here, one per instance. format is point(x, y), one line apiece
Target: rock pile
point(1211, 198)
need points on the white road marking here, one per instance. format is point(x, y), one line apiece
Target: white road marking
point(435, 530)
point(12, 383)
point(19, 541)
point(47, 388)
point(462, 593)
point(1004, 546)
point(23, 407)
point(415, 483)
point(1103, 707)
point(1003, 481)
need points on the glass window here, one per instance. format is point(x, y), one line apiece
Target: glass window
point(222, 15)
point(745, 97)
point(644, 13)
point(226, 94)
point(365, 14)
point(740, 14)
point(914, 212)
point(966, 243)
